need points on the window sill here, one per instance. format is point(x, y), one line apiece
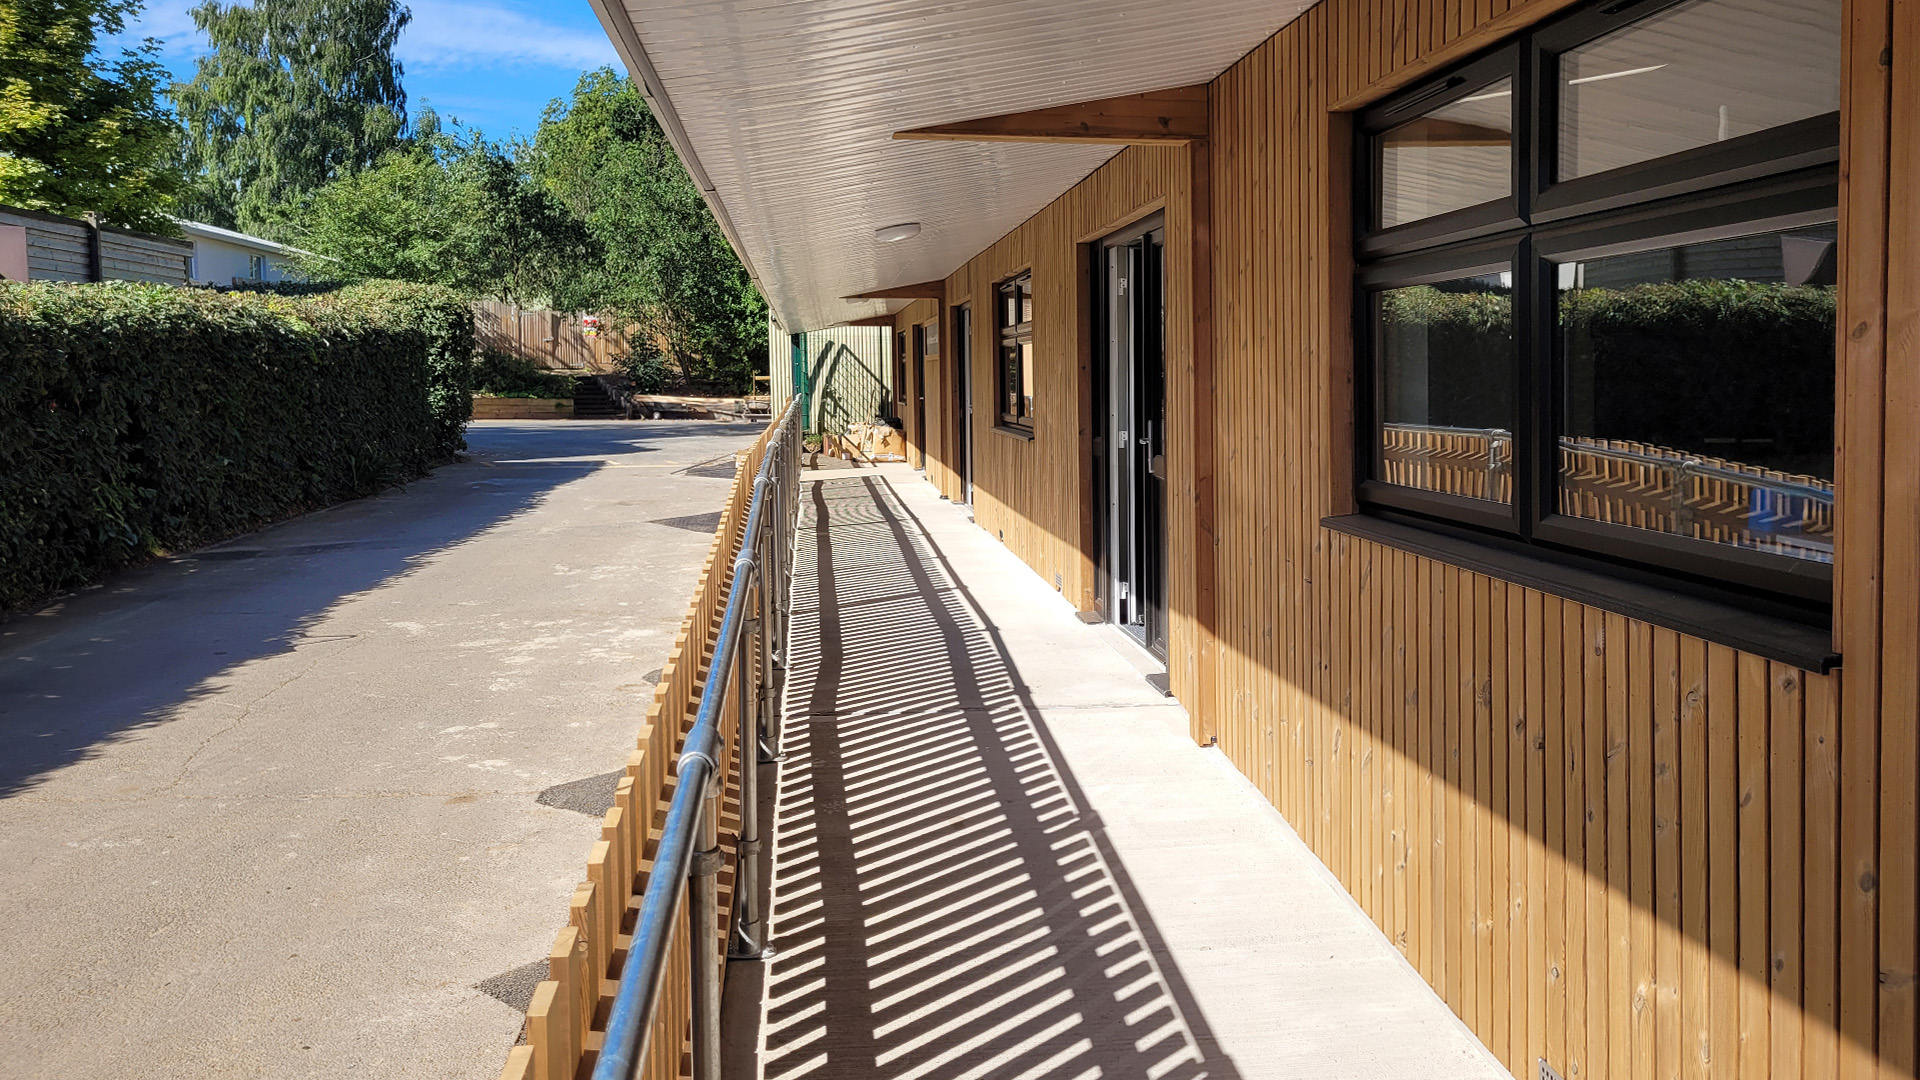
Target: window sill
point(1011, 432)
point(1768, 636)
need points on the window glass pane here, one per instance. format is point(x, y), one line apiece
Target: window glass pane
point(1456, 156)
point(1696, 74)
point(1010, 380)
point(1699, 384)
point(1446, 386)
point(1026, 378)
point(1026, 303)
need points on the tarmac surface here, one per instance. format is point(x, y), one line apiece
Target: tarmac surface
point(312, 802)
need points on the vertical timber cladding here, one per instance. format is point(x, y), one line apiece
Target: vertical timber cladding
point(1033, 493)
point(1625, 851)
point(1605, 844)
point(921, 443)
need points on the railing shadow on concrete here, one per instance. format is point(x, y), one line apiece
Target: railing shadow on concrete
point(946, 905)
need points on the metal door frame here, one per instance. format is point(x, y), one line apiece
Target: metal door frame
point(1119, 470)
point(962, 364)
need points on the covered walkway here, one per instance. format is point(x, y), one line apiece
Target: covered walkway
point(998, 853)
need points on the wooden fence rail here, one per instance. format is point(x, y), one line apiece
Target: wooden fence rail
point(566, 1021)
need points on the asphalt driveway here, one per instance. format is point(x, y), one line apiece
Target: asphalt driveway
point(313, 802)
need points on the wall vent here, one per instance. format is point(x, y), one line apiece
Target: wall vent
point(1056, 581)
point(1547, 1072)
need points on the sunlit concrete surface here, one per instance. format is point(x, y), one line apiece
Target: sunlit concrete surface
point(282, 808)
point(998, 853)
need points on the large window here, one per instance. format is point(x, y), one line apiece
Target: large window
point(1014, 373)
point(1596, 290)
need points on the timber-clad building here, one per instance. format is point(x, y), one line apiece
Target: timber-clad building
point(1497, 418)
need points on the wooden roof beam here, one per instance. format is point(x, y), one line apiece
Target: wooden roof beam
point(925, 290)
point(1178, 115)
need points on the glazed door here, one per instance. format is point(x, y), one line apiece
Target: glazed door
point(1134, 403)
point(963, 398)
point(926, 350)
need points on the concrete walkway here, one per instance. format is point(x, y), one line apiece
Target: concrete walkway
point(312, 803)
point(997, 852)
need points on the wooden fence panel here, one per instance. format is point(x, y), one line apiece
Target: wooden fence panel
point(584, 968)
point(550, 339)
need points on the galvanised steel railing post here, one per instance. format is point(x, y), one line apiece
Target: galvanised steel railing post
point(705, 929)
point(765, 736)
point(745, 942)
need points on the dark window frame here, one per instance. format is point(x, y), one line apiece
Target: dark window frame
point(1009, 337)
point(1774, 179)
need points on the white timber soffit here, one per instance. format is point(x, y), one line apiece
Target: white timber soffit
point(784, 111)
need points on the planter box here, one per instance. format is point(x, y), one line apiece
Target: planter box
point(509, 408)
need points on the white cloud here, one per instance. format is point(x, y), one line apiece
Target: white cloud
point(167, 20)
point(447, 32)
point(443, 33)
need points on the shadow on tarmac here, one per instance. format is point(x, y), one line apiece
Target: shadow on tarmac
point(104, 663)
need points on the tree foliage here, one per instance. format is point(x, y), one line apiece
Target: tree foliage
point(80, 132)
point(447, 209)
point(596, 213)
point(294, 94)
point(666, 267)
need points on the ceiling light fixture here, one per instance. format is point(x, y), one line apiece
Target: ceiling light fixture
point(893, 234)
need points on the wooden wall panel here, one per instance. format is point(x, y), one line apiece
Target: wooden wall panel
point(1033, 494)
point(1605, 843)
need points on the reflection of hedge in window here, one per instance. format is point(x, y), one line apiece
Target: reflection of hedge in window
point(1733, 369)
point(1455, 353)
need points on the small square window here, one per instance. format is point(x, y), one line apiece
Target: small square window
point(1697, 390)
point(1458, 155)
point(1014, 372)
point(1445, 362)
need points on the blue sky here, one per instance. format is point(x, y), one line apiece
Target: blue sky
point(493, 64)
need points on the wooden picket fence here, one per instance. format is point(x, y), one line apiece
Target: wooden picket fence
point(1474, 462)
point(566, 1021)
point(1629, 483)
point(1668, 490)
point(550, 339)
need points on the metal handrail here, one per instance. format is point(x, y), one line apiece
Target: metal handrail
point(688, 858)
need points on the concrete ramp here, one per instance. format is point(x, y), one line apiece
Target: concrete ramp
point(998, 854)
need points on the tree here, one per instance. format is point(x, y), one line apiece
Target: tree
point(450, 208)
point(293, 95)
point(667, 269)
point(78, 132)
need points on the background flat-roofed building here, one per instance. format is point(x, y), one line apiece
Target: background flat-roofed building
point(225, 257)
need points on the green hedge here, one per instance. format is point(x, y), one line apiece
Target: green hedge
point(500, 374)
point(136, 419)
